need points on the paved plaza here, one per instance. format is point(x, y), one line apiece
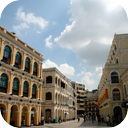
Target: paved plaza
point(72, 124)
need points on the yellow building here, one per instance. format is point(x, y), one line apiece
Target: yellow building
point(80, 98)
point(58, 95)
point(20, 81)
point(110, 89)
point(90, 105)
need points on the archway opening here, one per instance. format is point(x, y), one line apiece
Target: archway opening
point(14, 115)
point(24, 116)
point(47, 114)
point(118, 114)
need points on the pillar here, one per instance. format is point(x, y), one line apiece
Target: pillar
point(23, 62)
point(38, 70)
point(19, 118)
point(31, 66)
point(21, 87)
point(28, 121)
point(7, 115)
point(41, 69)
point(10, 84)
point(30, 89)
point(1, 49)
point(13, 55)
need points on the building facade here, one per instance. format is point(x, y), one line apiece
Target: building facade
point(58, 95)
point(90, 104)
point(80, 98)
point(20, 81)
point(110, 87)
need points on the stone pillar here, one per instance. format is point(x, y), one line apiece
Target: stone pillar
point(19, 118)
point(13, 55)
point(36, 116)
point(1, 49)
point(37, 91)
point(41, 69)
point(7, 115)
point(28, 121)
point(21, 87)
point(38, 70)
point(30, 89)
point(23, 62)
point(31, 66)
point(10, 84)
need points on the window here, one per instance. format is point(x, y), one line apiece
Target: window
point(49, 96)
point(7, 54)
point(116, 94)
point(125, 90)
point(25, 89)
point(34, 91)
point(3, 83)
point(15, 87)
point(35, 69)
point(27, 64)
point(18, 60)
point(48, 79)
point(114, 77)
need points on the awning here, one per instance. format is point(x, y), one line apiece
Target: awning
point(124, 104)
point(66, 113)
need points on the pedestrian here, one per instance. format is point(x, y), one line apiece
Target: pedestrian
point(102, 118)
point(84, 117)
point(49, 119)
point(113, 120)
point(99, 119)
point(78, 118)
point(59, 119)
point(119, 119)
point(42, 120)
point(108, 120)
point(92, 119)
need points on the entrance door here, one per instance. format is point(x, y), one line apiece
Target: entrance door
point(47, 114)
point(118, 112)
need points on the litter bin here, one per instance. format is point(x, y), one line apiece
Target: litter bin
point(53, 120)
point(56, 119)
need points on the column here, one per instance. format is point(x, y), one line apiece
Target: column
point(41, 69)
point(31, 66)
point(23, 62)
point(28, 123)
point(40, 91)
point(38, 70)
point(39, 113)
point(7, 115)
point(21, 87)
point(30, 89)
point(19, 118)
point(9, 90)
point(36, 116)
point(1, 49)
point(13, 55)
point(37, 91)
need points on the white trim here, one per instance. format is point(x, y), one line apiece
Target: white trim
point(121, 40)
point(120, 94)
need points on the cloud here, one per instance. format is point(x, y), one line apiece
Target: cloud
point(28, 19)
point(48, 43)
point(90, 78)
point(38, 32)
point(20, 27)
point(67, 70)
point(91, 30)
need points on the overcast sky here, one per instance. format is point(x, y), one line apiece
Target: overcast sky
point(73, 35)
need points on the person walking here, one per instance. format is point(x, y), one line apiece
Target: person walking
point(59, 119)
point(108, 120)
point(113, 120)
point(78, 118)
point(84, 117)
point(42, 120)
point(49, 119)
point(92, 119)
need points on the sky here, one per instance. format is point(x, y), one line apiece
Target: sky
point(73, 35)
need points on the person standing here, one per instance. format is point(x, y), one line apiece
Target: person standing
point(84, 117)
point(42, 120)
point(92, 119)
point(49, 119)
point(107, 120)
point(59, 119)
point(78, 118)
